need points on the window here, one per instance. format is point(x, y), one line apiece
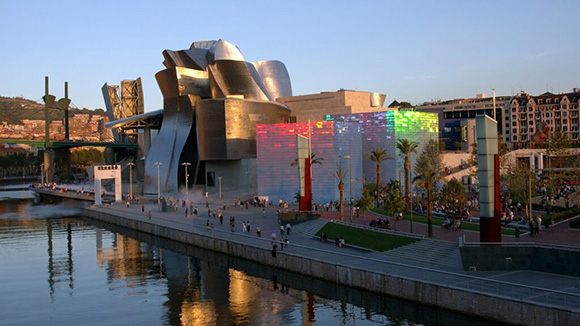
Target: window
point(515, 138)
point(514, 124)
point(446, 129)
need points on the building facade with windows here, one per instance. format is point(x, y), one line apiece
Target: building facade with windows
point(454, 113)
point(531, 117)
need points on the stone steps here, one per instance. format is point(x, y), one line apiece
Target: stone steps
point(437, 252)
point(309, 228)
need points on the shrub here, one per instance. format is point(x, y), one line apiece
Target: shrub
point(553, 209)
point(575, 224)
point(557, 217)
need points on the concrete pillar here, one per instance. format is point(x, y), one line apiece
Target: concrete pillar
point(488, 172)
point(48, 165)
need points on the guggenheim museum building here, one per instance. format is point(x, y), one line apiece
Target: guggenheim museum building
point(236, 121)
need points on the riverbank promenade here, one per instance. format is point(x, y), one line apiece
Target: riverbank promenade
point(431, 262)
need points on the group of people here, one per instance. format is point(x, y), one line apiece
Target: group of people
point(382, 223)
point(453, 225)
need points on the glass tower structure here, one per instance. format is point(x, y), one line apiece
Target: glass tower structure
point(339, 139)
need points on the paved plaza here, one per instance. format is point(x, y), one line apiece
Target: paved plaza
point(422, 261)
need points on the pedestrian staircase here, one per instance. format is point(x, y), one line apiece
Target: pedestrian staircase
point(437, 252)
point(309, 228)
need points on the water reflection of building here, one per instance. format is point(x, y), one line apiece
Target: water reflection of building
point(199, 292)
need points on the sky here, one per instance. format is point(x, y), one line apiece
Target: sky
point(413, 51)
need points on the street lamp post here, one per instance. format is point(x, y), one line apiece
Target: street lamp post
point(347, 157)
point(186, 164)
point(131, 179)
point(220, 186)
point(42, 173)
point(411, 200)
point(159, 164)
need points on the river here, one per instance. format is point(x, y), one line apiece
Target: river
point(59, 268)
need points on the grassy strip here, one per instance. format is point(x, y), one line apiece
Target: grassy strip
point(377, 241)
point(420, 218)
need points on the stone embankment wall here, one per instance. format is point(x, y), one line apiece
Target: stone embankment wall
point(446, 297)
point(549, 260)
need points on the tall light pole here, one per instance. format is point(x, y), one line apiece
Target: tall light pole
point(411, 200)
point(42, 173)
point(347, 157)
point(131, 179)
point(220, 186)
point(186, 164)
point(159, 164)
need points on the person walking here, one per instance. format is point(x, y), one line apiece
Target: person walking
point(288, 228)
point(274, 247)
point(281, 229)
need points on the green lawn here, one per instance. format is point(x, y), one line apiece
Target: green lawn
point(420, 218)
point(377, 241)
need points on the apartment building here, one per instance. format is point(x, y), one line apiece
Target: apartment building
point(548, 112)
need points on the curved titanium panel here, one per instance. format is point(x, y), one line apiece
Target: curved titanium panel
point(169, 144)
point(182, 81)
point(199, 56)
point(233, 78)
point(223, 50)
point(180, 59)
point(227, 127)
point(275, 78)
point(378, 99)
point(205, 45)
point(178, 115)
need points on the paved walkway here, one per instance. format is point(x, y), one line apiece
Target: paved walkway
point(533, 287)
point(561, 234)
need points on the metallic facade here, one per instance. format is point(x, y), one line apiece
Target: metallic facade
point(342, 139)
point(213, 99)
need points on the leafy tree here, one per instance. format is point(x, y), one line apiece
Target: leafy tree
point(502, 150)
point(453, 193)
point(457, 145)
point(519, 179)
point(339, 174)
point(427, 170)
point(366, 201)
point(407, 147)
point(378, 156)
point(394, 203)
point(313, 160)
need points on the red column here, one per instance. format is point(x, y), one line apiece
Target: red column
point(306, 200)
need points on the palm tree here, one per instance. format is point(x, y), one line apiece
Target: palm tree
point(407, 147)
point(427, 171)
point(378, 155)
point(313, 160)
point(340, 173)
